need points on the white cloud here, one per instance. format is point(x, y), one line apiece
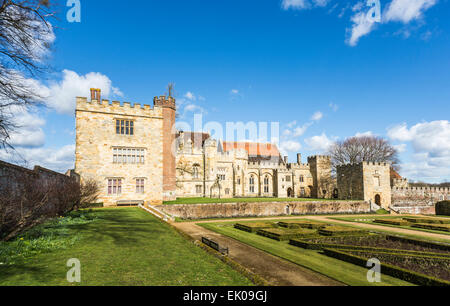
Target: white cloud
point(401, 148)
point(302, 4)
point(299, 131)
point(317, 116)
point(431, 144)
point(60, 159)
point(365, 134)
point(290, 146)
point(61, 94)
point(234, 92)
point(319, 143)
point(361, 27)
point(190, 96)
point(407, 10)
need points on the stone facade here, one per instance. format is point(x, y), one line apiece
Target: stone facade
point(126, 158)
point(208, 168)
point(366, 181)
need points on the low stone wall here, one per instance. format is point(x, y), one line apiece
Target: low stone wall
point(263, 209)
point(416, 210)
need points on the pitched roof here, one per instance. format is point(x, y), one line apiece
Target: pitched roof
point(253, 148)
point(395, 175)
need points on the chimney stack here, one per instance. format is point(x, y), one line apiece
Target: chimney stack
point(96, 94)
point(285, 159)
point(299, 158)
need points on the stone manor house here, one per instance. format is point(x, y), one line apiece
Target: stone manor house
point(137, 157)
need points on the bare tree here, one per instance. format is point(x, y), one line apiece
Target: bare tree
point(26, 36)
point(355, 150)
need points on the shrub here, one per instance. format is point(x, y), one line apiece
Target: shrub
point(254, 227)
point(286, 234)
point(302, 224)
point(339, 230)
point(436, 227)
point(392, 222)
point(409, 276)
point(443, 208)
point(428, 220)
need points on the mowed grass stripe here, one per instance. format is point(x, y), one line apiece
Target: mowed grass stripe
point(125, 247)
point(336, 269)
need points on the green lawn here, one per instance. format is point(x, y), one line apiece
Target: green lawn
point(339, 270)
point(236, 200)
point(125, 247)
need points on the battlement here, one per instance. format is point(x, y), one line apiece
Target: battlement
point(429, 189)
point(164, 102)
point(115, 107)
point(316, 158)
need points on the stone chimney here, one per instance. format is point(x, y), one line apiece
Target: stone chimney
point(299, 158)
point(286, 160)
point(96, 94)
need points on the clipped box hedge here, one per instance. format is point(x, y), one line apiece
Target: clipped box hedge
point(305, 244)
point(422, 243)
point(302, 224)
point(399, 222)
point(282, 234)
point(254, 227)
point(443, 208)
point(436, 227)
point(427, 220)
point(406, 275)
point(340, 230)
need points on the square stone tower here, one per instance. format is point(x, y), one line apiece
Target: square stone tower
point(126, 149)
point(366, 181)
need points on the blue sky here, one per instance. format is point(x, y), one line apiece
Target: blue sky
point(315, 66)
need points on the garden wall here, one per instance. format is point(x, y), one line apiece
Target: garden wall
point(418, 200)
point(28, 197)
point(260, 209)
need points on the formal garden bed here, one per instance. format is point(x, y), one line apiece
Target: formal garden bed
point(282, 234)
point(418, 261)
point(302, 224)
point(254, 227)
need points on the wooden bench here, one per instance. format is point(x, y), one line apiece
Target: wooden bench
point(214, 245)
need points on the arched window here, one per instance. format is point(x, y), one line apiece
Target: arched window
point(266, 184)
point(195, 171)
point(252, 184)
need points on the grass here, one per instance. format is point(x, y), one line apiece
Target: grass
point(116, 247)
point(369, 220)
point(341, 271)
point(237, 200)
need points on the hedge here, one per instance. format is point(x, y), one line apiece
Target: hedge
point(302, 224)
point(392, 221)
point(254, 227)
point(406, 275)
point(286, 234)
point(339, 230)
point(305, 244)
point(443, 208)
point(422, 243)
point(436, 227)
point(428, 220)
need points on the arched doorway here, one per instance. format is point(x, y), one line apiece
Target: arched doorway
point(336, 194)
point(378, 200)
point(290, 193)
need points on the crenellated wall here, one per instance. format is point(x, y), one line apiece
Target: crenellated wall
point(418, 200)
